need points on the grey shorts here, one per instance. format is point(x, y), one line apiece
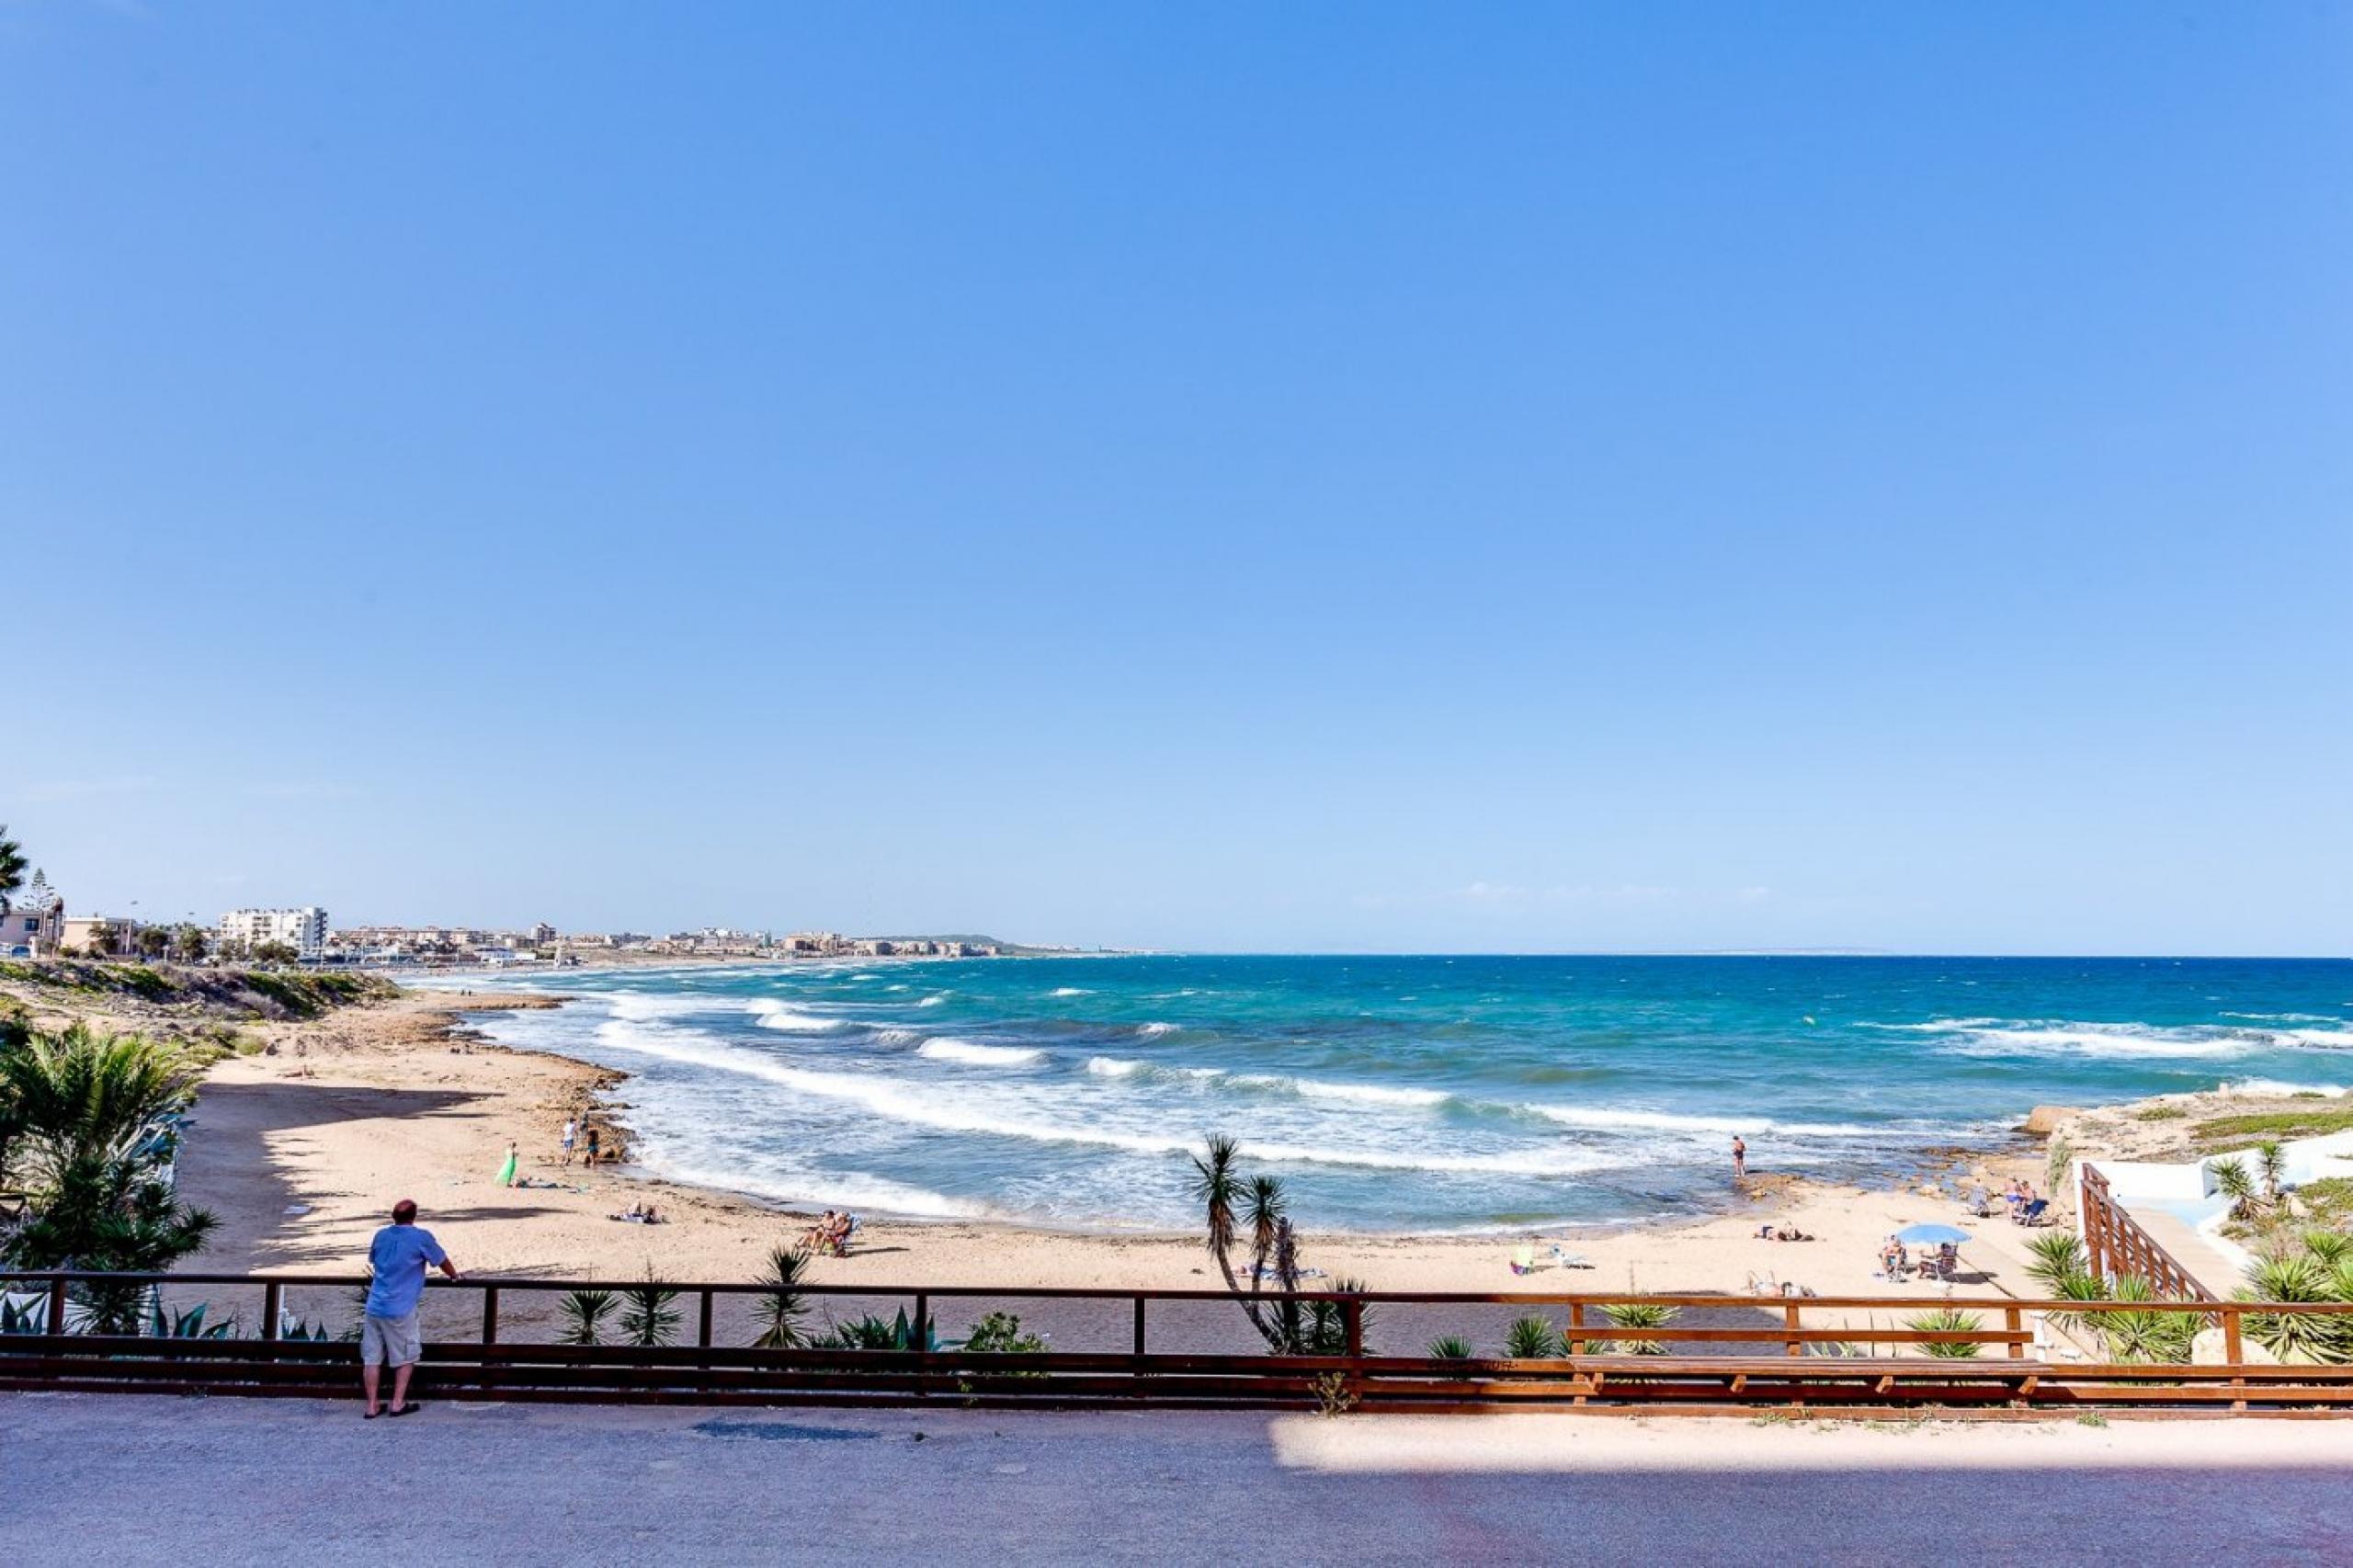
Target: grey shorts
point(389, 1341)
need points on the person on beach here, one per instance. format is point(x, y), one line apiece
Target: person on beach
point(508, 1168)
point(398, 1256)
point(592, 1146)
point(1739, 1159)
point(571, 1134)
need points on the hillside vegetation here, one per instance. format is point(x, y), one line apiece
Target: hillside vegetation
point(238, 993)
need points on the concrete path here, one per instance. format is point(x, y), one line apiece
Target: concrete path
point(122, 1480)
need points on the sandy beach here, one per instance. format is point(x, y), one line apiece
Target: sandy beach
point(302, 1150)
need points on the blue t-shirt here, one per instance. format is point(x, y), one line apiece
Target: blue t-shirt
point(400, 1255)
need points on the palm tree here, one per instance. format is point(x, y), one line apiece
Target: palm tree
point(1263, 1206)
point(2232, 1180)
point(110, 1214)
point(79, 1097)
point(189, 944)
point(782, 1304)
point(2058, 1256)
point(12, 867)
point(100, 940)
point(1218, 1188)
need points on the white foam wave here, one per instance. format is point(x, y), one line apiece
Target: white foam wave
point(1154, 1030)
point(947, 1048)
point(897, 1037)
point(775, 1015)
point(2275, 1089)
point(1070, 991)
point(933, 1000)
point(1356, 1094)
point(1604, 1119)
point(1113, 1067)
point(949, 1113)
point(846, 1189)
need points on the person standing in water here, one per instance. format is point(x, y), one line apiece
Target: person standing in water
point(1739, 1159)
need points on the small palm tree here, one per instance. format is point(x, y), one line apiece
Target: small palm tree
point(2232, 1180)
point(1531, 1338)
point(2272, 1161)
point(1218, 1188)
point(1263, 1205)
point(584, 1312)
point(1453, 1347)
point(1953, 1321)
point(782, 1304)
point(650, 1316)
point(78, 1095)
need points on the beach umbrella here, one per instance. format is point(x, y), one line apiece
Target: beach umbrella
point(1929, 1233)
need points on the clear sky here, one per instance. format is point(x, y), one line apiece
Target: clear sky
point(1301, 477)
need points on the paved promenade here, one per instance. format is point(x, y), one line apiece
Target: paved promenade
point(127, 1480)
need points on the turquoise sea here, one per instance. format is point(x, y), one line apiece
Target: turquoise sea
point(1397, 1094)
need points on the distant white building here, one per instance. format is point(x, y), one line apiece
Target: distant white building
point(304, 929)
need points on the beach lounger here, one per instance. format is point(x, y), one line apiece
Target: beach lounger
point(2032, 1213)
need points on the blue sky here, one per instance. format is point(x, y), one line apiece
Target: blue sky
point(1315, 477)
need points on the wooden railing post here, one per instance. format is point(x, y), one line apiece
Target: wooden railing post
point(1795, 1346)
point(1139, 1335)
point(273, 1307)
point(702, 1322)
point(490, 1314)
point(2234, 1352)
point(2014, 1320)
point(1576, 1328)
point(56, 1324)
point(1352, 1314)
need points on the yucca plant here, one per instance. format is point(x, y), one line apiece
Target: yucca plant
point(2234, 1182)
point(2271, 1161)
point(1948, 1319)
point(2055, 1255)
point(782, 1303)
point(650, 1316)
point(1531, 1338)
point(1639, 1315)
point(2168, 1337)
point(2295, 1336)
point(584, 1312)
point(1451, 1347)
point(186, 1324)
point(2327, 1248)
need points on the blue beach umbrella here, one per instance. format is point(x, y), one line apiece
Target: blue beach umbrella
point(1931, 1233)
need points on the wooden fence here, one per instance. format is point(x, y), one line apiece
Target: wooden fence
point(2118, 1247)
point(1791, 1354)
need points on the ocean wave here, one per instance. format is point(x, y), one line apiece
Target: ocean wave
point(947, 1048)
point(897, 1037)
point(1070, 991)
point(1357, 1094)
point(933, 1000)
point(2274, 1087)
point(949, 1113)
point(1114, 1067)
point(775, 1015)
point(1154, 1030)
point(846, 1189)
point(1603, 1118)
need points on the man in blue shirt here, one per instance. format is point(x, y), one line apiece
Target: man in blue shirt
point(400, 1256)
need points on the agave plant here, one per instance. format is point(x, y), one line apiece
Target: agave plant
point(782, 1304)
point(2295, 1336)
point(1531, 1338)
point(650, 1316)
point(1453, 1347)
point(186, 1324)
point(1639, 1315)
point(1948, 1319)
point(584, 1312)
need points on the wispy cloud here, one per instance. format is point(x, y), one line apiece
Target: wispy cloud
point(55, 790)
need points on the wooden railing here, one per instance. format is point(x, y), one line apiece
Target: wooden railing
point(1768, 1351)
point(2118, 1247)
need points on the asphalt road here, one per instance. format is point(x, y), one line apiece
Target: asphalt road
point(124, 1481)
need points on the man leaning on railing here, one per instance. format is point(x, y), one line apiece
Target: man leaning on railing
point(400, 1256)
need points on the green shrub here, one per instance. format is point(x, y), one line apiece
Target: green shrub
point(1639, 1315)
point(1453, 1347)
point(1948, 1319)
point(1531, 1338)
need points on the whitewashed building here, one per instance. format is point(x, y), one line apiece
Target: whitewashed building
point(304, 929)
